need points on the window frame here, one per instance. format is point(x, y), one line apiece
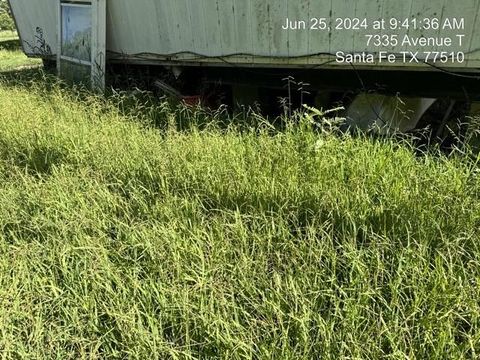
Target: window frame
point(98, 40)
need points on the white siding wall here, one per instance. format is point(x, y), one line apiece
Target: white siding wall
point(156, 28)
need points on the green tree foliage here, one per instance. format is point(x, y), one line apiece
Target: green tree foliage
point(6, 20)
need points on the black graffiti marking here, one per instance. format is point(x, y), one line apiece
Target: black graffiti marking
point(99, 72)
point(40, 47)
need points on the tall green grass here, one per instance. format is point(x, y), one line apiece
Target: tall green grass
point(11, 57)
point(120, 239)
point(12, 60)
point(6, 35)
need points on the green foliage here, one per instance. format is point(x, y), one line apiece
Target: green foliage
point(6, 21)
point(4, 6)
point(120, 240)
point(10, 60)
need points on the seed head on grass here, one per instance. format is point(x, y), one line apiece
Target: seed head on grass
point(124, 237)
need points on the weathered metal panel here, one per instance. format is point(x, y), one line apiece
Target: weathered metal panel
point(37, 25)
point(318, 39)
point(295, 43)
point(250, 31)
point(212, 27)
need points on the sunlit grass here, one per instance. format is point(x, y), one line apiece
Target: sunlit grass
point(11, 60)
point(11, 57)
point(8, 35)
point(121, 240)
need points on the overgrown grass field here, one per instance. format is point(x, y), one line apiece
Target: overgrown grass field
point(11, 57)
point(121, 239)
point(8, 35)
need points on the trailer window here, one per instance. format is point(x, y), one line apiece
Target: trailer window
point(82, 42)
point(77, 32)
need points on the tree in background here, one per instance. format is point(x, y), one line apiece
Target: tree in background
point(6, 21)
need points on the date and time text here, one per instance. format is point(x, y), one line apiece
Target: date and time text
point(410, 40)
